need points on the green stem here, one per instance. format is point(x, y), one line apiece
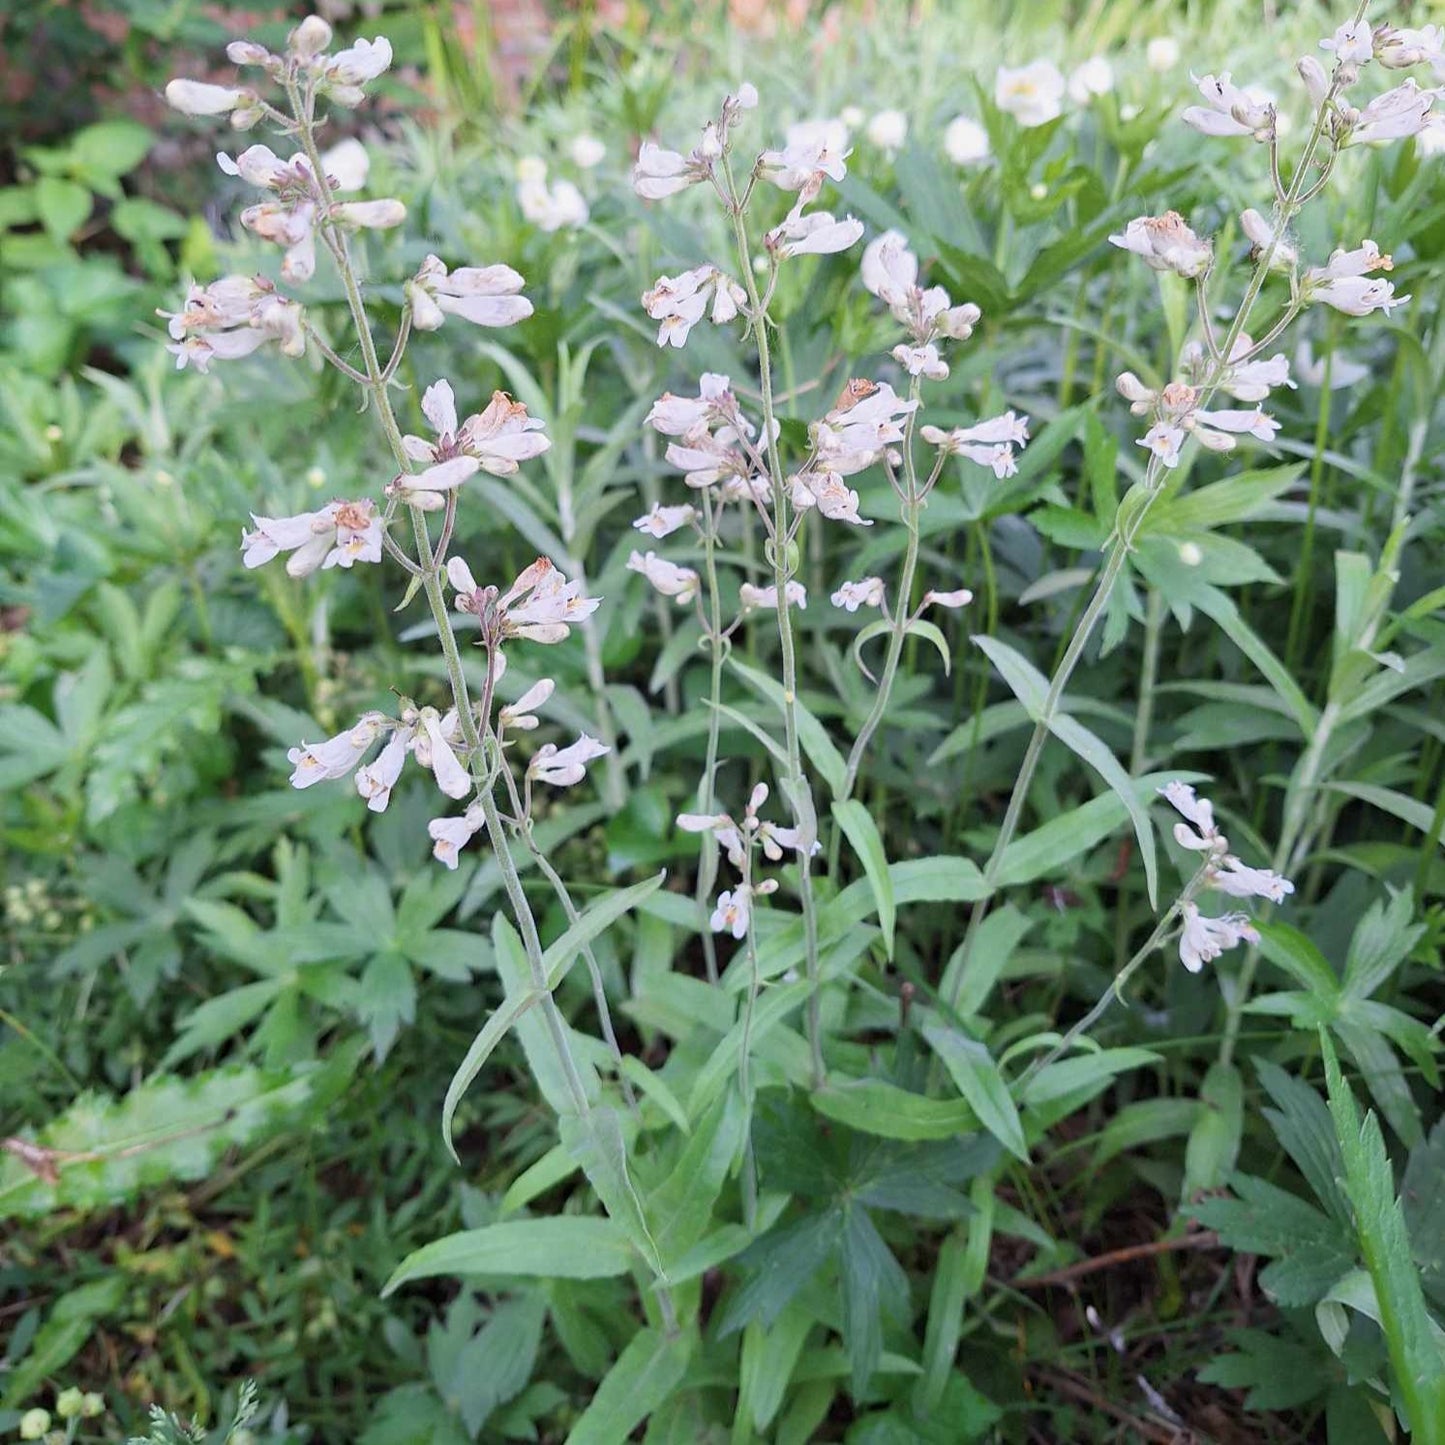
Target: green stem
point(800, 795)
point(707, 787)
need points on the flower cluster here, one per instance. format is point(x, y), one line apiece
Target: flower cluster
point(1204, 938)
point(230, 319)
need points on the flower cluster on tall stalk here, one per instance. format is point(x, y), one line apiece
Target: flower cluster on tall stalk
point(1231, 357)
point(467, 743)
point(727, 456)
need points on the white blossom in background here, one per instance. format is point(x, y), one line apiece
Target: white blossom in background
point(1162, 54)
point(850, 596)
point(1345, 285)
point(1033, 94)
point(679, 583)
point(663, 521)
point(965, 141)
point(586, 151)
point(1095, 77)
point(564, 767)
point(888, 130)
point(550, 207)
point(1166, 243)
point(483, 295)
point(1430, 138)
point(766, 598)
point(336, 536)
point(1340, 371)
point(1229, 111)
point(347, 165)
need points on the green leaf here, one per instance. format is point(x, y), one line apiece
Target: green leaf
point(681, 1207)
point(1303, 1127)
point(595, 1141)
point(1213, 1147)
point(768, 1359)
point(862, 832)
point(491, 1034)
point(1086, 1072)
point(70, 1323)
point(973, 1070)
point(1293, 952)
point(875, 1288)
point(1381, 942)
point(645, 1375)
point(817, 746)
point(998, 936)
point(64, 206)
point(596, 918)
point(1416, 1357)
point(1399, 805)
point(873, 1106)
point(567, 1246)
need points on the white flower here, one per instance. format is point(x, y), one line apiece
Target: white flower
point(1217, 429)
point(888, 130)
point(336, 536)
point(850, 596)
point(664, 521)
point(961, 597)
point(990, 443)
point(347, 165)
point(732, 913)
point(889, 269)
point(230, 319)
point(1283, 256)
point(483, 295)
point(496, 440)
point(1341, 372)
point(1205, 836)
point(1033, 94)
point(1161, 54)
point(767, 597)
point(853, 116)
point(1400, 112)
point(921, 361)
point(195, 97)
point(1343, 283)
point(450, 835)
point(815, 234)
point(342, 75)
point(1243, 380)
point(562, 768)
point(1399, 49)
point(553, 207)
point(1316, 82)
point(539, 606)
point(1229, 111)
point(829, 493)
point(679, 302)
point(965, 141)
point(1094, 77)
point(1353, 43)
point(587, 151)
point(337, 756)
point(1238, 881)
point(522, 713)
point(375, 781)
point(1204, 939)
point(429, 736)
point(1164, 440)
point(728, 835)
point(309, 38)
point(676, 416)
point(816, 150)
point(1166, 243)
point(667, 577)
point(661, 172)
point(369, 215)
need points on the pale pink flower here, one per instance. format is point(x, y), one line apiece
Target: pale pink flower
point(1353, 43)
point(1239, 881)
point(679, 302)
point(666, 577)
point(337, 756)
point(483, 295)
point(1229, 111)
point(960, 597)
point(850, 596)
point(921, 361)
point(814, 234)
point(1167, 244)
point(1205, 836)
point(450, 835)
point(540, 606)
point(522, 713)
point(195, 97)
point(1204, 939)
point(566, 766)
point(1403, 111)
point(766, 598)
point(678, 415)
point(815, 151)
point(664, 521)
point(338, 535)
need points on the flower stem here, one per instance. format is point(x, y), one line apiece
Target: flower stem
point(707, 787)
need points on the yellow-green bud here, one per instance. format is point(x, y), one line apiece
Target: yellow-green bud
point(34, 1424)
point(92, 1405)
point(69, 1403)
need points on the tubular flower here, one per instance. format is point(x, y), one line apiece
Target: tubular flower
point(816, 150)
point(1403, 111)
point(483, 295)
point(1283, 256)
point(1229, 111)
point(1204, 939)
point(676, 416)
point(666, 577)
point(522, 713)
point(1242, 379)
point(430, 737)
point(1167, 244)
point(679, 302)
point(766, 598)
point(990, 443)
point(1239, 881)
point(1344, 284)
point(890, 271)
point(195, 97)
point(660, 172)
point(850, 596)
point(337, 756)
point(540, 606)
point(815, 234)
point(1199, 832)
point(450, 835)
point(562, 768)
point(230, 319)
point(664, 521)
point(340, 534)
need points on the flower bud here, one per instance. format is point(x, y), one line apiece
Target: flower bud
point(92, 1405)
point(247, 52)
point(1317, 83)
point(34, 1424)
point(69, 1403)
point(310, 37)
point(195, 97)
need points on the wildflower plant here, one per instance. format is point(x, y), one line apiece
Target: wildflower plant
point(764, 484)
